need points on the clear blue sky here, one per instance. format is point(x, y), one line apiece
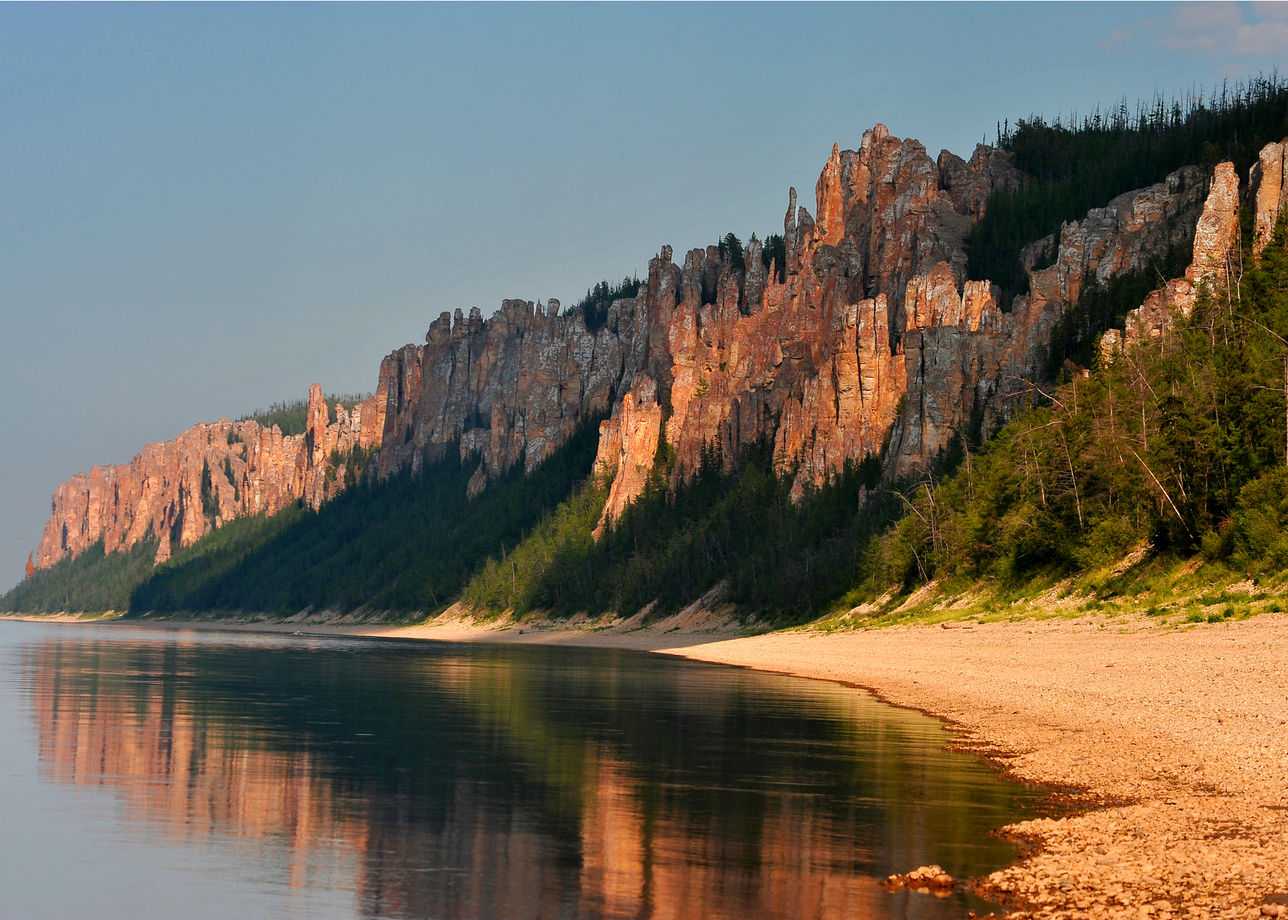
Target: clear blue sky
point(203, 209)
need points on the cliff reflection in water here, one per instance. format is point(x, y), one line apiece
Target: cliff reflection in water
point(449, 781)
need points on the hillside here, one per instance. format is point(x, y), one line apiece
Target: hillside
point(1172, 450)
point(758, 420)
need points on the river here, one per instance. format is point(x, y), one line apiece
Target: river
point(172, 773)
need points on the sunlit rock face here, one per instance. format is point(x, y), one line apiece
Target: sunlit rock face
point(1214, 256)
point(630, 462)
point(176, 492)
point(1269, 181)
point(873, 335)
point(870, 335)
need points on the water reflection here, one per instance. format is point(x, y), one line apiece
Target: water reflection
point(395, 780)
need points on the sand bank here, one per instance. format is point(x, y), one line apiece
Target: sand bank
point(1182, 733)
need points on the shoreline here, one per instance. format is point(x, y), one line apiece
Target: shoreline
point(1176, 737)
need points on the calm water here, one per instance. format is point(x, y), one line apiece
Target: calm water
point(222, 775)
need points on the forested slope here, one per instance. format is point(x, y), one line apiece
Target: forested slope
point(1178, 446)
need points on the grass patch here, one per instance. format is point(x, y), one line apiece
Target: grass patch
point(1164, 589)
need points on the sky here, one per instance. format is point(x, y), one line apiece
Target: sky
point(206, 208)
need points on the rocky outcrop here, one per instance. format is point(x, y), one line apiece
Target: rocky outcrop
point(875, 336)
point(1122, 236)
point(1217, 234)
point(1215, 253)
point(176, 492)
point(968, 185)
point(629, 463)
point(509, 388)
point(1269, 180)
point(812, 362)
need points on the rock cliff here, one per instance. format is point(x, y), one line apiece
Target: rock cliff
point(870, 335)
point(1269, 181)
point(874, 333)
point(176, 492)
point(511, 387)
point(1216, 258)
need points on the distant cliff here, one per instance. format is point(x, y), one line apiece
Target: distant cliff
point(176, 492)
point(874, 338)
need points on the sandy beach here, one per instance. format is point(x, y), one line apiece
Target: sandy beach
point(1177, 737)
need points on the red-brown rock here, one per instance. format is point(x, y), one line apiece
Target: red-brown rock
point(178, 491)
point(868, 319)
point(1216, 236)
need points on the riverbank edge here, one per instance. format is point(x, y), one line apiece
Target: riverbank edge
point(1176, 761)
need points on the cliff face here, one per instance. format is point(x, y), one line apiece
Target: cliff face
point(873, 335)
point(514, 386)
point(178, 491)
point(874, 332)
point(1269, 181)
point(1216, 257)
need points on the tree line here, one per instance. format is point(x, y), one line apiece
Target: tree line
point(736, 530)
point(1075, 164)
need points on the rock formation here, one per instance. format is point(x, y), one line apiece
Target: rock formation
point(176, 492)
point(512, 387)
point(875, 333)
point(873, 338)
point(1216, 257)
point(1270, 182)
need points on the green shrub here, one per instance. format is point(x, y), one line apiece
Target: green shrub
point(1260, 523)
